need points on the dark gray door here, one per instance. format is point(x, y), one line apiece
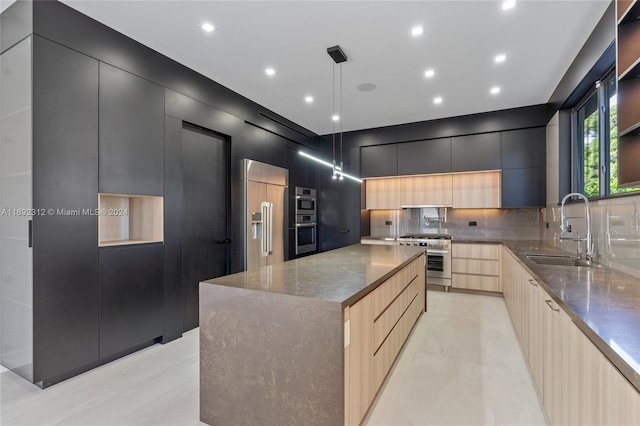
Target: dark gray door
point(205, 207)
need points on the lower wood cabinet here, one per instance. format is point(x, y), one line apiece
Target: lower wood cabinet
point(577, 384)
point(476, 267)
point(376, 328)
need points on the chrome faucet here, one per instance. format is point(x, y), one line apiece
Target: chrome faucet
point(565, 228)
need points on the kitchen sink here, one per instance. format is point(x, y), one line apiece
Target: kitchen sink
point(549, 259)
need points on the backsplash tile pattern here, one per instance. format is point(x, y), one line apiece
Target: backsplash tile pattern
point(523, 224)
point(615, 229)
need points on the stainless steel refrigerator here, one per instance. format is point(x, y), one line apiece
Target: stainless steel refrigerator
point(264, 187)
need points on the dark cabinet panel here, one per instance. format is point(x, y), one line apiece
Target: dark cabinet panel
point(131, 133)
point(131, 296)
point(423, 157)
point(475, 152)
point(524, 187)
point(381, 160)
point(275, 150)
point(339, 212)
point(524, 148)
point(172, 229)
point(65, 176)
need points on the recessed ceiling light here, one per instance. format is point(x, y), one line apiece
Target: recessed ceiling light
point(308, 99)
point(437, 100)
point(508, 4)
point(500, 58)
point(207, 27)
point(416, 31)
point(429, 73)
point(335, 117)
point(270, 71)
point(495, 90)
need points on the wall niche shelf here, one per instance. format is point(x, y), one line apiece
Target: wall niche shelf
point(130, 219)
point(628, 71)
point(628, 11)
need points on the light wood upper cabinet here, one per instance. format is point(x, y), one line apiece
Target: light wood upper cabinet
point(433, 190)
point(462, 190)
point(383, 194)
point(477, 190)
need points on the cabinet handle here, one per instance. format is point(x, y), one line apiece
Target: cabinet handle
point(31, 233)
point(532, 282)
point(344, 232)
point(552, 308)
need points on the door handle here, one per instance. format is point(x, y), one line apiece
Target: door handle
point(225, 241)
point(31, 233)
point(548, 302)
point(265, 224)
point(345, 231)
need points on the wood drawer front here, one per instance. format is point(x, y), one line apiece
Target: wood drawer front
point(385, 323)
point(387, 353)
point(386, 293)
point(476, 282)
point(474, 266)
point(476, 251)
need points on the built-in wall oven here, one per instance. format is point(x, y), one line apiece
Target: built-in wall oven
point(438, 249)
point(306, 221)
point(305, 201)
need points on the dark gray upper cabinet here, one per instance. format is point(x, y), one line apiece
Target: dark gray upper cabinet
point(475, 152)
point(131, 133)
point(380, 160)
point(422, 157)
point(65, 176)
point(525, 187)
point(524, 148)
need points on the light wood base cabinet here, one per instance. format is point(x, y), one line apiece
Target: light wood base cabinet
point(576, 382)
point(376, 328)
point(475, 267)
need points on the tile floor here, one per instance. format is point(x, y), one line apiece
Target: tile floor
point(463, 365)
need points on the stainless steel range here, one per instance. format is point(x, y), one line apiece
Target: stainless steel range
point(438, 247)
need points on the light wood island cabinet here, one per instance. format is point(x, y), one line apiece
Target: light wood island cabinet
point(376, 328)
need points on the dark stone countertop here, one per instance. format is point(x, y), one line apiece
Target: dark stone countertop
point(603, 302)
point(344, 275)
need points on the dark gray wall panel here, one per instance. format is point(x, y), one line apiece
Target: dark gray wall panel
point(598, 42)
point(493, 121)
point(201, 114)
point(131, 296)
point(380, 160)
point(524, 148)
point(366, 137)
point(16, 23)
point(524, 187)
point(95, 39)
point(475, 152)
point(172, 229)
point(65, 176)
point(131, 134)
point(422, 157)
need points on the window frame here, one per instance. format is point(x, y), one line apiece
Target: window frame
point(604, 143)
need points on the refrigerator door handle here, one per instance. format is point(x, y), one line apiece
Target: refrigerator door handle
point(270, 235)
point(266, 223)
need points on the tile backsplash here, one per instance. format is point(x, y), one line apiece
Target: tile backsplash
point(615, 229)
point(489, 223)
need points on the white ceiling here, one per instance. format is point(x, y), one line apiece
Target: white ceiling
point(460, 40)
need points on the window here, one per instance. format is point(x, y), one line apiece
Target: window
point(596, 141)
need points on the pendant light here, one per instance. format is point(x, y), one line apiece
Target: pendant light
point(338, 57)
point(338, 173)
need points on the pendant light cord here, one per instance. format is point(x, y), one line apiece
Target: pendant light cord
point(341, 118)
point(333, 91)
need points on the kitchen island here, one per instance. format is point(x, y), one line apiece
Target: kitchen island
point(308, 341)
